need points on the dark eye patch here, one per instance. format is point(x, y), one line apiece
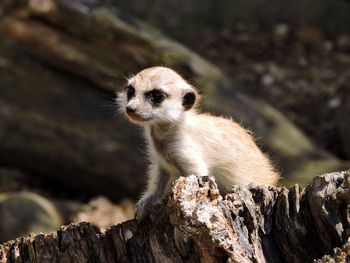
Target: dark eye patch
point(156, 96)
point(130, 91)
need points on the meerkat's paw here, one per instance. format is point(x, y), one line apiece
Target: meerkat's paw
point(143, 207)
point(181, 242)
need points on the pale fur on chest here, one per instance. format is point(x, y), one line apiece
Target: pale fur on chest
point(162, 141)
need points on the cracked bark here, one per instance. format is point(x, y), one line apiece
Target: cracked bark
point(251, 224)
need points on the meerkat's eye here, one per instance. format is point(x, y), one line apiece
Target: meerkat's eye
point(130, 92)
point(156, 96)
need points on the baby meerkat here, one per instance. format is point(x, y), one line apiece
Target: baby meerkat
point(182, 141)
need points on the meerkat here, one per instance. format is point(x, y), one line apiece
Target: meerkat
point(182, 141)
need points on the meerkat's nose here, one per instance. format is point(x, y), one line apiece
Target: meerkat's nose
point(130, 109)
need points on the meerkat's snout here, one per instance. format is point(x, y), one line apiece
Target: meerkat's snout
point(130, 110)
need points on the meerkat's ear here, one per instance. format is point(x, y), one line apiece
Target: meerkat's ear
point(189, 99)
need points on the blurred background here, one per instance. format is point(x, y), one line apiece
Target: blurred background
point(280, 68)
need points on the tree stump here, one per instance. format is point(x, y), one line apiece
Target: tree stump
point(250, 224)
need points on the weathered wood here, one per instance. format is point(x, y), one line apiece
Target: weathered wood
point(251, 224)
point(57, 58)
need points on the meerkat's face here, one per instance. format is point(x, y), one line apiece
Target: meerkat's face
point(156, 95)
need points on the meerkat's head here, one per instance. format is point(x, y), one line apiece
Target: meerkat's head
point(156, 95)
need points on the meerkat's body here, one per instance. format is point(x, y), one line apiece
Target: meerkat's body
point(182, 141)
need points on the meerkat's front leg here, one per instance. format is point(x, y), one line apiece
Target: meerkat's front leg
point(158, 181)
point(192, 163)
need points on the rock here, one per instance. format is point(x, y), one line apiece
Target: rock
point(103, 213)
point(334, 102)
point(267, 79)
point(281, 32)
point(22, 213)
point(343, 42)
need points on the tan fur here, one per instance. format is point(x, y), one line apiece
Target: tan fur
point(187, 142)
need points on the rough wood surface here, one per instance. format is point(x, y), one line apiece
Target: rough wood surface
point(251, 224)
point(57, 118)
